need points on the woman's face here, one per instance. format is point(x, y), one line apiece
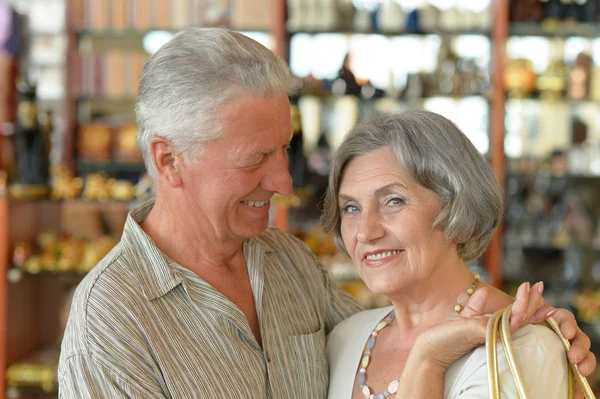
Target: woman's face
point(387, 223)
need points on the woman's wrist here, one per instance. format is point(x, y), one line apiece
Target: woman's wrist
point(423, 377)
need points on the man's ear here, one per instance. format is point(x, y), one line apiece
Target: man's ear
point(166, 161)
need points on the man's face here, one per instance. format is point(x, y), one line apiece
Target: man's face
point(237, 174)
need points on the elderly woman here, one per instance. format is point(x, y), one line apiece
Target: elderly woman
point(410, 200)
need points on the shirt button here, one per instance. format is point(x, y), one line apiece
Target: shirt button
point(268, 357)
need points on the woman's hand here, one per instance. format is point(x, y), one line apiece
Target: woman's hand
point(445, 343)
point(531, 308)
point(440, 346)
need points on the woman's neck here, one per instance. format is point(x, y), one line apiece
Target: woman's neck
point(431, 301)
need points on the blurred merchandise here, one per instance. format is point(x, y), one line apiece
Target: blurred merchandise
point(95, 142)
point(39, 370)
point(552, 84)
point(388, 16)
point(61, 253)
point(519, 78)
point(526, 10)
point(587, 305)
point(32, 148)
point(579, 77)
point(100, 141)
point(64, 184)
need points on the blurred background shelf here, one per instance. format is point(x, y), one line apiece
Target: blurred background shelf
point(564, 30)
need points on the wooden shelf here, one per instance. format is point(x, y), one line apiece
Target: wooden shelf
point(138, 34)
point(109, 167)
point(591, 30)
point(393, 34)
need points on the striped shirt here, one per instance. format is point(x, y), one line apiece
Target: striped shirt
point(143, 326)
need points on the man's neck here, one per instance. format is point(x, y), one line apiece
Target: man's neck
point(179, 235)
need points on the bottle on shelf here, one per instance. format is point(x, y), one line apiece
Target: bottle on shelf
point(448, 74)
point(390, 16)
point(31, 147)
point(345, 83)
point(579, 77)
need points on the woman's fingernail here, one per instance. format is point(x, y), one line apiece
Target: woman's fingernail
point(551, 313)
point(527, 286)
point(540, 287)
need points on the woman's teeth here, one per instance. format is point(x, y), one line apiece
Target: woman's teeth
point(382, 255)
point(256, 204)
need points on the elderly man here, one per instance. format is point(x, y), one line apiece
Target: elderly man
point(199, 299)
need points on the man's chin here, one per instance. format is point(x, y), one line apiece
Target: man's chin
point(254, 229)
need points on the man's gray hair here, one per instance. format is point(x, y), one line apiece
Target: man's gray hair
point(189, 78)
point(439, 157)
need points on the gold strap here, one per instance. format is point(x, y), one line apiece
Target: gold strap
point(499, 324)
point(583, 383)
point(491, 356)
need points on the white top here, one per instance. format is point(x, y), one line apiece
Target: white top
point(539, 352)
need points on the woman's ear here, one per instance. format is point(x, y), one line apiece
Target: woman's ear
point(166, 161)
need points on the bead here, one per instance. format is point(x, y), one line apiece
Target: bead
point(470, 291)
point(380, 395)
point(457, 308)
point(372, 396)
point(362, 370)
point(374, 333)
point(365, 361)
point(393, 387)
point(462, 299)
point(371, 342)
point(366, 391)
point(367, 352)
point(381, 325)
point(361, 379)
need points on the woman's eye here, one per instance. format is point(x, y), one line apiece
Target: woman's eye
point(348, 209)
point(395, 201)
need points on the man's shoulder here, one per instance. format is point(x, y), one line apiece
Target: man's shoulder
point(275, 239)
point(108, 286)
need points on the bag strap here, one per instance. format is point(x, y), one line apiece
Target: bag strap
point(498, 324)
point(573, 370)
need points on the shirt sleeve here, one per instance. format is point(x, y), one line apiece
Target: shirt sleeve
point(84, 378)
point(543, 365)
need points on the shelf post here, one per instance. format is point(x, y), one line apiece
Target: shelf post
point(493, 257)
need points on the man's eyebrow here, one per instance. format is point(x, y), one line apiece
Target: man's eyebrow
point(263, 151)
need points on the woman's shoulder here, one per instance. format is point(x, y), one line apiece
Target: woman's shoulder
point(345, 345)
point(540, 355)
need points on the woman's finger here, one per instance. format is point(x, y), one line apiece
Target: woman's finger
point(542, 314)
point(476, 303)
point(519, 308)
point(566, 322)
point(536, 301)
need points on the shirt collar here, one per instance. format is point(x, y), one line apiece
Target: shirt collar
point(156, 277)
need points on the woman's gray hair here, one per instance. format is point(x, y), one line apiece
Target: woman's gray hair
point(439, 157)
point(191, 76)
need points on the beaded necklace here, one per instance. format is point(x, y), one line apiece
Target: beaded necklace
point(392, 387)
